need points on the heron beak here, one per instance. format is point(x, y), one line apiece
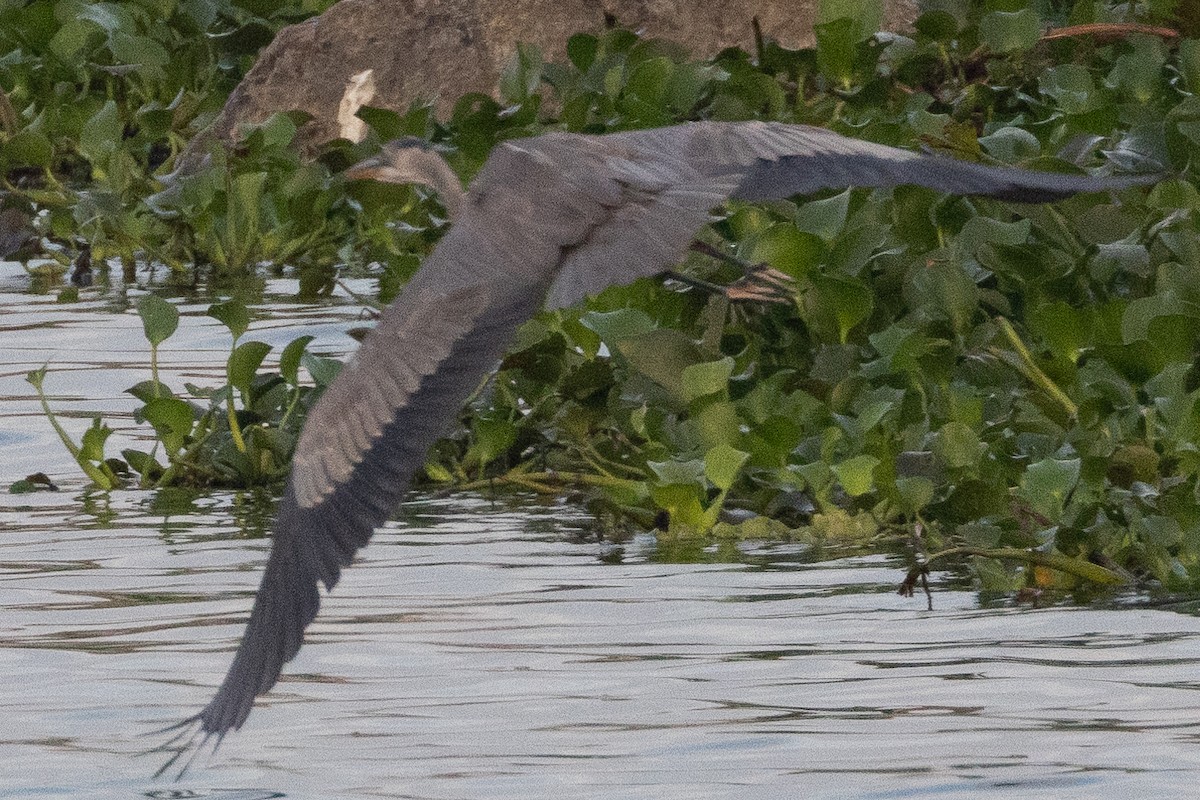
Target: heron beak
point(368, 169)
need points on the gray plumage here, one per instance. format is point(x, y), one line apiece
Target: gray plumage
point(548, 220)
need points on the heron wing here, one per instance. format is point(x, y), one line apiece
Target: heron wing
point(360, 446)
point(671, 178)
point(371, 429)
point(783, 160)
point(660, 202)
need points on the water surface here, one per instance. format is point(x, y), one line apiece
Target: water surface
point(497, 648)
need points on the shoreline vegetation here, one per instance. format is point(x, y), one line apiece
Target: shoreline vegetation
point(1013, 389)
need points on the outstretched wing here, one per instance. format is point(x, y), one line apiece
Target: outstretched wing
point(361, 444)
point(671, 178)
point(797, 159)
point(370, 431)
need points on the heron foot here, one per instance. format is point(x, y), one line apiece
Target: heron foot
point(763, 284)
point(760, 283)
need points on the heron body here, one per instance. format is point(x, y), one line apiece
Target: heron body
point(547, 221)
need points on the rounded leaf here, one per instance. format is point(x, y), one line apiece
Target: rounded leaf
point(243, 364)
point(857, 475)
point(787, 249)
point(289, 360)
point(722, 465)
point(172, 419)
point(233, 314)
point(160, 319)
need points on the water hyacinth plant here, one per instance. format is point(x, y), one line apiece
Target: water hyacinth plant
point(1015, 386)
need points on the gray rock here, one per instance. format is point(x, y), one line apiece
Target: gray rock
point(440, 49)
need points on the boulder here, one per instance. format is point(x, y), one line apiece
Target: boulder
point(388, 53)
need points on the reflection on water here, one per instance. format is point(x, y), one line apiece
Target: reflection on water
point(496, 649)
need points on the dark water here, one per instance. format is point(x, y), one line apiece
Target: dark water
point(493, 648)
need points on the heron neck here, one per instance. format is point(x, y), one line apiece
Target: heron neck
point(442, 180)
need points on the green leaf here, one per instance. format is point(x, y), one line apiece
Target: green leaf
point(172, 419)
point(1011, 144)
point(74, 38)
point(160, 319)
point(140, 50)
point(836, 49)
point(699, 380)
point(848, 301)
point(786, 249)
point(980, 230)
point(824, 218)
point(92, 445)
point(717, 423)
point(722, 465)
point(648, 81)
point(687, 473)
point(1138, 76)
point(102, 133)
point(1071, 87)
point(277, 131)
point(857, 474)
point(748, 221)
point(243, 365)
point(614, 326)
point(581, 49)
point(233, 315)
point(35, 377)
point(289, 360)
point(1047, 483)
point(947, 292)
point(937, 25)
point(522, 75)
point(142, 463)
point(323, 370)
point(493, 437)
point(1065, 329)
point(149, 390)
point(1010, 31)
point(437, 473)
point(683, 506)
point(384, 121)
point(1143, 311)
point(1189, 63)
point(28, 148)
point(662, 356)
point(109, 16)
point(867, 15)
point(915, 493)
point(958, 446)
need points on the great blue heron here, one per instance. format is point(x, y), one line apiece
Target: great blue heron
point(547, 221)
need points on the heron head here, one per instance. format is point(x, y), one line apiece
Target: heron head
point(411, 160)
point(398, 161)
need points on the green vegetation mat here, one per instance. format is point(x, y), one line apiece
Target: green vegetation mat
point(1010, 388)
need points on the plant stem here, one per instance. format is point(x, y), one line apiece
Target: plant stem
point(1056, 561)
point(154, 368)
point(1032, 371)
point(234, 429)
point(98, 476)
point(515, 477)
